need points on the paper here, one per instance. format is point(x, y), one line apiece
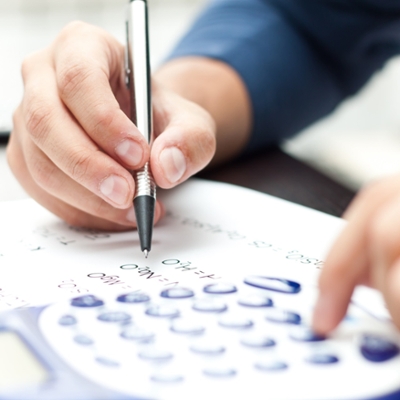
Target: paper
point(212, 231)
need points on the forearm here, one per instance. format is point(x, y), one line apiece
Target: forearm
point(218, 89)
point(297, 59)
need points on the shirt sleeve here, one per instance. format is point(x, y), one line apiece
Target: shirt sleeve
point(297, 58)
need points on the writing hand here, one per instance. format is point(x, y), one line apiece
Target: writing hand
point(72, 142)
point(367, 252)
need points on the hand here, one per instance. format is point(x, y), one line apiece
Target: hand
point(367, 252)
point(73, 143)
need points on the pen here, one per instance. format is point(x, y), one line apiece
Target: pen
point(139, 85)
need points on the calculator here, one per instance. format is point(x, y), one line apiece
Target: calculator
point(246, 338)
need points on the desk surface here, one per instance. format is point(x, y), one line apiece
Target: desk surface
point(271, 171)
point(278, 174)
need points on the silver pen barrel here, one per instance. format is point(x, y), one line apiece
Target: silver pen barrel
point(139, 84)
point(139, 67)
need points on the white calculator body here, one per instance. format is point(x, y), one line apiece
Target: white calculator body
point(248, 338)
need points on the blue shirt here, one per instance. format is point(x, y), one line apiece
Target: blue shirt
point(298, 58)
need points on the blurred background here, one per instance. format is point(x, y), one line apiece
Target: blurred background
point(359, 142)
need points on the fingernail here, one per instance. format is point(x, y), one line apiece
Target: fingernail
point(115, 188)
point(173, 163)
point(130, 152)
point(131, 216)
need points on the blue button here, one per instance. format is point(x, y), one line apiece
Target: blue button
point(87, 301)
point(377, 349)
point(235, 322)
point(137, 333)
point(209, 305)
point(114, 316)
point(282, 316)
point(83, 340)
point(320, 358)
point(177, 293)
point(107, 362)
point(258, 341)
point(220, 288)
point(207, 348)
point(153, 354)
point(271, 365)
point(303, 333)
point(219, 372)
point(135, 297)
point(67, 320)
point(166, 378)
point(274, 284)
point(164, 311)
point(255, 300)
point(186, 326)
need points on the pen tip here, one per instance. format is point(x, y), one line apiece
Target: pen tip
point(146, 253)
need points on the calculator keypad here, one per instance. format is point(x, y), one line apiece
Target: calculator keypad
point(182, 340)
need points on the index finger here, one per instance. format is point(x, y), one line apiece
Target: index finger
point(90, 79)
point(348, 261)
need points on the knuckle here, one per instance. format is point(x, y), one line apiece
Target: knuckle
point(72, 76)
point(210, 142)
point(104, 117)
point(207, 136)
point(42, 173)
point(205, 144)
point(78, 165)
point(38, 119)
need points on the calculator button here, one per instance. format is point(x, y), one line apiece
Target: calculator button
point(279, 315)
point(219, 372)
point(166, 378)
point(177, 293)
point(67, 320)
point(220, 288)
point(258, 341)
point(133, 298)
point(274, 284)
point(107, 362)
point(303, 333)
point(235, 322)
point(162, 311)
point(271, 365)
point(255, 300)
point(114, 316)
point(377, 349)
point(87, 301)
point(185, 326)
point(137, 333)
point(209, 305)
point(153, 354)
point(207, 348)
point(83, 340)
point(321, 359)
